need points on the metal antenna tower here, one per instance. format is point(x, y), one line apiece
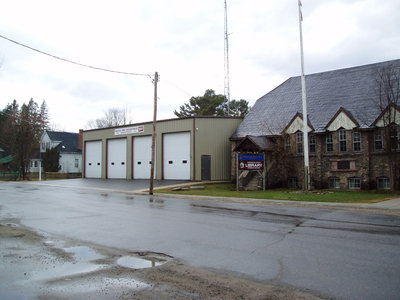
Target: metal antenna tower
point(226, 61)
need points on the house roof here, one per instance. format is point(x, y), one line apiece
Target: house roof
point(353, 90)
point(6, 159)
point(68, 141)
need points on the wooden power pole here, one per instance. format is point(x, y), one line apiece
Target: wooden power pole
point(153, 137)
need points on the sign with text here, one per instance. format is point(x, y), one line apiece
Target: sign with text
point(251, 162)
point(129, 130)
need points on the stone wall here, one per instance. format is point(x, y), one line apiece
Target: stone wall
point(285, 165)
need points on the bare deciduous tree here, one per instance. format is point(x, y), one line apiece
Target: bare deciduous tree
point(112, 117)
point(388, 89)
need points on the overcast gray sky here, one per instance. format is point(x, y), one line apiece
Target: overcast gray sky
point(184, 41)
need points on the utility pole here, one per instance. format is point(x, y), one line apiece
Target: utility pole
point(226, 61)
point(153, 137)
point(307, 185)
point(40, 148)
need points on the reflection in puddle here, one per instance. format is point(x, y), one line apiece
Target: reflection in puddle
point(139, 263)
point(83, 253)
point(65, 270)
point(100, 286)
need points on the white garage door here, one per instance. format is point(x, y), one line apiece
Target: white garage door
point(116, 158)
point(177, 155)
point(142, 157)
point(93, 159)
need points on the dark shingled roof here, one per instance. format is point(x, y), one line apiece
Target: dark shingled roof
point(68, 141)
point(353, 89)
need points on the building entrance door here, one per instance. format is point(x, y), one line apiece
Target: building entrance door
point(206, 167)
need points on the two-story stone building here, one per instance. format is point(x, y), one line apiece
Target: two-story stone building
point(352, 129)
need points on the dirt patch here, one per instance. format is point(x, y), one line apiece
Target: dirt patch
point(44, 267)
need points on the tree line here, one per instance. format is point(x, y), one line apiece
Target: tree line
point(21, 127)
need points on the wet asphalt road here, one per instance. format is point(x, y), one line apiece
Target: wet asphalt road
point(338, 254)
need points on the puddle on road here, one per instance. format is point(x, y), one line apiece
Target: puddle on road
point(83, 253)
point(133, 262)
point(98, 287)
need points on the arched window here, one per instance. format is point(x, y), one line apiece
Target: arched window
point(329, 142)
point(356, 141)
point(313, 144)
point(342, 140)
point(299, 142)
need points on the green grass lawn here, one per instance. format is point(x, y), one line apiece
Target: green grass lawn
point(229, 190)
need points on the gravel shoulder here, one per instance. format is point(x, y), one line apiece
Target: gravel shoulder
point(37, 266)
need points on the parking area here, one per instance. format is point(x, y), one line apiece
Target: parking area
point(123, 185)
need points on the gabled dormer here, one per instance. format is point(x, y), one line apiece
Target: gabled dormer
point(296, 124)
point(390, 115)
point(253, 144)
point(342, 119)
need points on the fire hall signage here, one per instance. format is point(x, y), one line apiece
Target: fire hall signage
point(252, 162)
point(129, 130)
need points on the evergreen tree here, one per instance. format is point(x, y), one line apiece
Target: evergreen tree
point(51, 160)
point(44, 116)
point(212, 104)
point(20, 131)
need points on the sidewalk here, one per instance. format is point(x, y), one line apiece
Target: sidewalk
point(389, 204)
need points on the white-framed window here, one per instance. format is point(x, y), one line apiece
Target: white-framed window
point(329, 142)
point(299, 142)
point(354, 183)
point(378, 140)
point(76, 163)
point(334, 182)
point(356, 141)
point(342, 140)
point(313, 143)
point(383, 183)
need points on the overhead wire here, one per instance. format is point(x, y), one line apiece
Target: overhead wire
point(73, 62)
point(87, 65)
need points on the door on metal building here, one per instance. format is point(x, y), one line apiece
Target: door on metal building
point(116, 158)
point(206, 167)
point(93, 156)
point(142, 157)
point(176, 147)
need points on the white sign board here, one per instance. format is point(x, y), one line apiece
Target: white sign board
point(129, 130)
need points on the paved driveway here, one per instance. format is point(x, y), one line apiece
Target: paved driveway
point(136, 185)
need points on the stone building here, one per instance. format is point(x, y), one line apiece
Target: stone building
point(353, 130)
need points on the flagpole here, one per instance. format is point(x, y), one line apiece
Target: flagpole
point(304, 100)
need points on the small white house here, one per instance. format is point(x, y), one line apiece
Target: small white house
point(70, 146)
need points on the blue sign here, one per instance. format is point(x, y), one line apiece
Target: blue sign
point(252, 157)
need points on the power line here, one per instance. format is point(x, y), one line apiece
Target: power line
point(86, 65)
point(71, 61)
